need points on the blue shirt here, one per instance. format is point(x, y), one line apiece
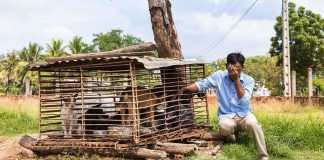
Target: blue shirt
point(229, 104)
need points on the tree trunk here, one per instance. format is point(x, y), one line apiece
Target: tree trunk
point(27, 90)
point(23, 73)
point(165, 34)
point(8, 83)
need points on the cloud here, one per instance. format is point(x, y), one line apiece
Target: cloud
point(215, 1)
point(314, 5)
point(251, 36)
point(197, 22)
point(57, 32)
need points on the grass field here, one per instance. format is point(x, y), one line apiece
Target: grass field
point(18, 116)
point(291, 131)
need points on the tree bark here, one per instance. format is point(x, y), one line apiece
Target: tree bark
point(165, 34)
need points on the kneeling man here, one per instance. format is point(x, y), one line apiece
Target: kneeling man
point(234, 91)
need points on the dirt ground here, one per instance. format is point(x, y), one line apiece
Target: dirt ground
point(11, 150)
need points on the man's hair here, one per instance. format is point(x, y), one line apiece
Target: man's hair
point(234, 57)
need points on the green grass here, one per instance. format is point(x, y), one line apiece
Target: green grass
point(77, 156)
point(291, 132)
point(18, 116)
point(15, 123)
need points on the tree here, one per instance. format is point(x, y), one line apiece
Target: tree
point(8, 64)
point(114, 40)
point(76, 46)
point(56, 49)
point(265, 72)
point(211, 67)
point(306, 40)
point(29, 55)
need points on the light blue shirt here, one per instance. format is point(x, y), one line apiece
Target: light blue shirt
point(229, 104)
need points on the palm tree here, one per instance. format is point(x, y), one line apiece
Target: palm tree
point(76, 45)
point(30, 55)
point(8, 64)
point(56, 49)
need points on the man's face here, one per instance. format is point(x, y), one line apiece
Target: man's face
point(237, 66)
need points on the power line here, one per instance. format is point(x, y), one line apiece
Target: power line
point(224, 35)
point(204, 34)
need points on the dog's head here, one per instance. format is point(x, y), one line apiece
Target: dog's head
point(70, 101)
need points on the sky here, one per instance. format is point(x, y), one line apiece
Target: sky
point(202, 25)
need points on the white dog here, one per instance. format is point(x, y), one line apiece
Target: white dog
point(67, 116)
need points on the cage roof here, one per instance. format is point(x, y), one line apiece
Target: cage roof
point(140, 53)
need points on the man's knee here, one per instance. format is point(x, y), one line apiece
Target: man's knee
point(253, 125)
point(226, 126)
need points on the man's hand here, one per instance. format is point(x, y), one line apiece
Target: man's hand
point(233, 72)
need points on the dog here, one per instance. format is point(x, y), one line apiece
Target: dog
point(67, 115)
point(94, 119)
point(148, 104)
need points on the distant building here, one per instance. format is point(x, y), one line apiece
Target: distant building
point(261, 91)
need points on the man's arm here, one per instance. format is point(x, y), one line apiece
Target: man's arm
point(245, 93)
point(234, 75)
point(202, 85)
point(239, 88)
point(191, 88)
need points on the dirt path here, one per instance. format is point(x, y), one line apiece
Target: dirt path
point(11, 150)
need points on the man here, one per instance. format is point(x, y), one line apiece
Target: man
point(234, 91)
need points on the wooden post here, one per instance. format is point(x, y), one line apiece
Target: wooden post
point(293, 85)
point(310, 85)
point(27, 91)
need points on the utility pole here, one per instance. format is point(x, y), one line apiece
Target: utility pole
point(286, 50)
point(310, 85)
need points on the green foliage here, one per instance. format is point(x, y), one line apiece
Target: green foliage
point(219, 64)
point(306, 41)
point(265, 72)
point(56, 48)
point(13, 123)
point(14, 65)
point(114, 40)
point(76, 46)
point(32, 53)
point(8, 63)
point(77, 156)
point(319, 85)
point(29, 55)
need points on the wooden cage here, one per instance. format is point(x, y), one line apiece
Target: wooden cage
point(118, 101)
